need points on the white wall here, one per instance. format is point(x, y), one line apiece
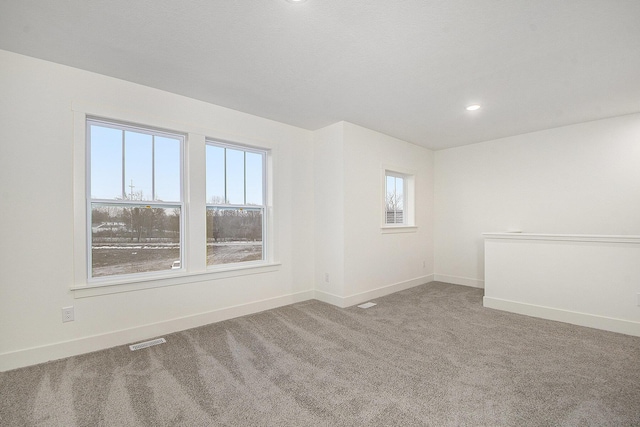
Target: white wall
point(586, 280)
point(329, 203)
point(36, 228)
point(580, 179)
point(361, 261)
point(376, 260)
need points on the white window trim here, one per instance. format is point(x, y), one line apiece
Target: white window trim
point(158, 281)
point(194, 227)
point(400, 228)
point(409, 226)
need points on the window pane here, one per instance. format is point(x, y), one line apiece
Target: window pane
point(167, 169)
point(134, 239)
point(235, 177)
point(137, 166)
point(215, 174)
point(254, 179)
point(234, 235)
point(394, 199)
point(399, 194)
point(106, 162)
point(391, 187)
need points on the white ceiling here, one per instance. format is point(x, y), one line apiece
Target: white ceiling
point(406, 68)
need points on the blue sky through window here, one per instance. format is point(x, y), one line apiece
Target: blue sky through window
point(235, 176)
point(106, 163)
point(145, 157)
point(132, 165)
point(395, 192)
point(138, 163)
point(215, 174)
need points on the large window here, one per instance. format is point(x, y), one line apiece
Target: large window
point(134, 198)
point(235, 197)
point(395, 198)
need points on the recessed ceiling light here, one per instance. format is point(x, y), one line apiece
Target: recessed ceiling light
point(473, 107)
point(296, 1)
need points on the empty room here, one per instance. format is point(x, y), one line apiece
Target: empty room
point(320, 213)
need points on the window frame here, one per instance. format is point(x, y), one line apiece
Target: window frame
point(395, 175)
point(193, 175)
point(264, 153)
point(408, 225)
point(147, 130)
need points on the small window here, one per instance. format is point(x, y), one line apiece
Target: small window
point(236, 214)
point(395, 198)
point(135, 199)
point(398, 201)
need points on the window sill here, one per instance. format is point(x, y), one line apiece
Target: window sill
point(150, 282)
point(398, 229)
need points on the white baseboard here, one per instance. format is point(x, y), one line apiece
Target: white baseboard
point(372, 294)
point(45, 353)
point(455, 280)
point(329, 298)
point(576, 318)
point(32, 356)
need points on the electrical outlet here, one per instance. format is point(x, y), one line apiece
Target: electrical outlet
point(638, 299)
point(424, 264)
point(326, 277)
point(67, 314)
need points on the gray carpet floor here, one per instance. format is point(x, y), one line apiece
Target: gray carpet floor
point(430, 355)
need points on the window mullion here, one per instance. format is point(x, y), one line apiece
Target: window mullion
point(195, 248)
point(226, 200)
point(124, 192)
point(153, 167)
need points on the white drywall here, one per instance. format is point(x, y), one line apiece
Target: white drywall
point(323, 182)
point(361, 261)
point(580, 179)
point(374, 259)
point(327, 204)
point(37, 225)
point(586, 280)
point(329, 196)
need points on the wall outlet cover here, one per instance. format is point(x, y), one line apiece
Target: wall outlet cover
point(67, 314)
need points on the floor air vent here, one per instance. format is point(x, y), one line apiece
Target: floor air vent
point(146, 344)
point(367, 305)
